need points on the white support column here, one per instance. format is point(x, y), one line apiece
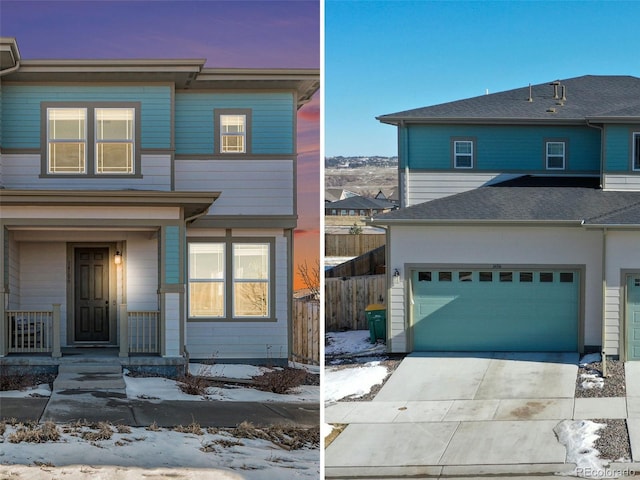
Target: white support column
point(56, 351)
point(124, 331)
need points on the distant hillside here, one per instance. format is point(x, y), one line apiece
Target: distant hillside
point(362, 175)
point(360, 162)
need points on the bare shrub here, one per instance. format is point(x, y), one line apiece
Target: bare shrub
point(154, 427)
point(36, 434)
point(104, 432)
point(123, 429)
point(283, 436)
point(280, 381)
point(193, 385)
point(193, 428)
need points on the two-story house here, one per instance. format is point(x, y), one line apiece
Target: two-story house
point(147, 207)
point(520, 221)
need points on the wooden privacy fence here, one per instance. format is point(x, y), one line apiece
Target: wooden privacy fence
point(370, 263)
point(351, 245)
point(345, 301)
point(306, 332)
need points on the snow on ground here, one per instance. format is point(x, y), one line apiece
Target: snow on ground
point(590, 380)
point(218, 370)
point(158, 389)
point(579, 436)
point(38, 391)
point(352, 382)
point(355, 342)
point(590, 358)
point(179, 455)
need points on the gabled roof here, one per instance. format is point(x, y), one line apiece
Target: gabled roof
point(524, 200)
point(590, 97)
point(358, 203)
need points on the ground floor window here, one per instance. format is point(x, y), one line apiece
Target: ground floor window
point(230, 279)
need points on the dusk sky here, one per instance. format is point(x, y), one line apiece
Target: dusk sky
point(387, 56)
point(228, 34)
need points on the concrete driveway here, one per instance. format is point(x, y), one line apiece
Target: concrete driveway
point(461, 414)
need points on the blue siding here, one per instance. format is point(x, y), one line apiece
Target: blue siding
point(272, 121)
point(502, 148)
point(172, 255)
point(618, 147)
point(21, 110)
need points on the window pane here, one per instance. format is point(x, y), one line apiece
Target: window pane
point(250, 261)
point(546, 277)
point(114, 158)
point(250, 299)
point(465, 276)
point(206, 261)
point(67, 123)
point(526, 277)
point(424, 276)
point(463, 148)
point(555, 148)
point(506, 276)
point(232, 123)
point(444, 276)
point(555, 162)
point(566, 277)
point(486, 276)
point(232, 143)
point(463, 161)
point(114, 123)
point(206, 299)
point(66, 158)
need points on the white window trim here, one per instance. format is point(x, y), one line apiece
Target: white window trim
point(50, 141)
point(130, 141)
point(563, 156)
point(456, 155)
point(242, 134)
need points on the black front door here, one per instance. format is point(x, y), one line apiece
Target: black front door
point(91, 295)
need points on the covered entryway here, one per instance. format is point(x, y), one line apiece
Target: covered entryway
point(495, 310)
point(633, 317)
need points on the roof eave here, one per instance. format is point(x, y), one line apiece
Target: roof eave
point(619, 119)
point(481, 121)
point(469, 222)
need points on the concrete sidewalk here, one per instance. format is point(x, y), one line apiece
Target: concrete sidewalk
point(466, 415)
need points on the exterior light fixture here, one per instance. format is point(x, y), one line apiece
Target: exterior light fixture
point(396, 276)
point(117, 259)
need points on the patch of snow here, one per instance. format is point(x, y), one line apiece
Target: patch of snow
point(220, 370)
point(354, 342)
point(40, 391)
point(156, 389)
point(578, 437)
point(591, 381)
point(352, 382)
point(326, 429)
point(144, 454)
point(590, 358)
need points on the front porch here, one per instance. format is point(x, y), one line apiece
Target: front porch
point(40, 332)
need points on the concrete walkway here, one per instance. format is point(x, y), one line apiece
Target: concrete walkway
point(471, 415)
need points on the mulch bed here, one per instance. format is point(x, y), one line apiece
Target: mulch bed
point(22, 382)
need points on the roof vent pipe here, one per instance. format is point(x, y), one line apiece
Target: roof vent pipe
point(556, 95)
point(564, 93)
point(530, 95)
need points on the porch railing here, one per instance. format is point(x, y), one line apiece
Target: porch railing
point(143, 331)
point(34, 331)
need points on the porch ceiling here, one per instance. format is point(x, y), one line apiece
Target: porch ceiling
point(193, 203)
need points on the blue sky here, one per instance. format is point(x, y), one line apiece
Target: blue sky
point(387, 56)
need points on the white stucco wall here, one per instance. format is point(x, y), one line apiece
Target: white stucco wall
point(479, 246)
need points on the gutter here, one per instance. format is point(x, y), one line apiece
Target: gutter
point(10, 70)
point(604, 303)
point(469, 222)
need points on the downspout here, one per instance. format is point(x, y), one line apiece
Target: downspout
point(604, 300)
point(404, 143)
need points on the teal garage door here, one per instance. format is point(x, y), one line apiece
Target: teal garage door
point(503, 310)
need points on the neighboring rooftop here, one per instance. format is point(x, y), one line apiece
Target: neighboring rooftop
point(573, 100)
point(360, 203)
point(527, 199)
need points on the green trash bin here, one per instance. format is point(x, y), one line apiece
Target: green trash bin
point(376, 314)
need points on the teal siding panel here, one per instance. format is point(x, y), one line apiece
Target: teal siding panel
point(172, 255)
point(495, 315)
point(503, 148)
point(21, 110)
point(272, 121)
point(618, 147)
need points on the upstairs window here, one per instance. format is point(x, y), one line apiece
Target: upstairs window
point(555, 155)
point(67, 140)
point(94, 139)
point(635, 151)
point(114, 140)
point(463, 153)
point(232, 131)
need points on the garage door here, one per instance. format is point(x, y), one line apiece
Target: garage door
point(505, 310)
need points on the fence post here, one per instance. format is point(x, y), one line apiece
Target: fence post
point(124, 331)
point(56, 351)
